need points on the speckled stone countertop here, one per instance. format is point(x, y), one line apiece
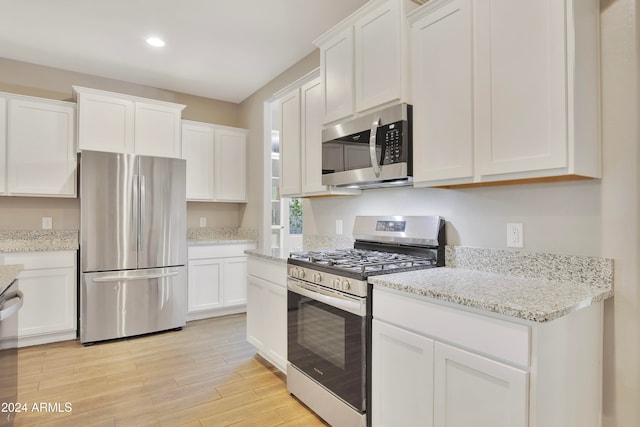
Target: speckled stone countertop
point(7, 274)
point(273, 254)
point(309, 243)
point(38, 240)
point(209, 236)
point(528, 286)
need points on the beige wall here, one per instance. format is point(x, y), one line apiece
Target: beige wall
point(35, 80)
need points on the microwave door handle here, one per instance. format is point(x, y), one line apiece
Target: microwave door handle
point(372, 146)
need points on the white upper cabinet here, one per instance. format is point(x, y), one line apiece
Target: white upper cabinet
point(120, 123)
point(364, 60)
point(157, 129)
point(336, 65)
point(311, 131)
point(533, 110)
point(197, 150)
point(290, 145)
point(216, 162)
point(301, 143)
point(40, 147)
point(230, 160)
point(442, 93)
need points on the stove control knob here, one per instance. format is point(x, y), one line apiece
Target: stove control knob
point(336, 283)
point(301, 274)
point(317, 277)
point(293, 272)
point(346, 285)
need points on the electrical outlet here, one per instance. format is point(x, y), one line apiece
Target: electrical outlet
point(47, 223)
point(515, 235)
point(338, 226)
point(203, 221)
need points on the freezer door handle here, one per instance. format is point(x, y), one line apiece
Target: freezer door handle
point(130, 278)
point(13, 309)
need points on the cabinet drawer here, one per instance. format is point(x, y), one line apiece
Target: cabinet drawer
point(274, 272)
point(219, 251)
point(496, 338)
point(39, 260)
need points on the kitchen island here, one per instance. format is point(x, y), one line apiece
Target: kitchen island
point(496, 338)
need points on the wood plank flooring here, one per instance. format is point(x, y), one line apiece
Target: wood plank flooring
point(205, 375)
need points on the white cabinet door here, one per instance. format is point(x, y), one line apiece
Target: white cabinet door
point(105, 123)
point(267, 310)
point(290, 144)
point(257, 327)
point(471, 390)
point(520, 85)
point(157, 130)
point(3, 145)
point(205, 282)
point(48, 283)
point(234, 289)
point(277, 323)
point(49, 301)
point(336, 73)
point(230, 165)
point(443, 93)
point(197, 150)
point(401, 361)
point(311, 101)
point(378, 59)
point(41, 153)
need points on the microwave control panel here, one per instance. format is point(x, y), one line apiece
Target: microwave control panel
point(392, 145)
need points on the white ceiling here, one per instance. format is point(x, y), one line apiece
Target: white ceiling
point(221, 49)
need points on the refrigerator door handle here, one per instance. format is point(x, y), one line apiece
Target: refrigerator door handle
point(143, 211)
point(124, 278)
point(135, 213)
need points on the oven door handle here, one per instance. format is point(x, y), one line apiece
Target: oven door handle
point(334, 300)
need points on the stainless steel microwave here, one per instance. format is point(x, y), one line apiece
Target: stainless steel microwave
point(370, 151)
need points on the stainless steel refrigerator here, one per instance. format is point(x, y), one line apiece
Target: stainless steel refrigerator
point(133, 248)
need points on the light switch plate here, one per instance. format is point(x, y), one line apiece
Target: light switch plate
point(47, 223)
point(338, 226)
point(203, 221)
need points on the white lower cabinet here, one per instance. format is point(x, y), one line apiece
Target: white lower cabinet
point(402, 360)
point(435, 365)
point(471, 390)
point(267, 310)
point(217, 282)
point(48, 283)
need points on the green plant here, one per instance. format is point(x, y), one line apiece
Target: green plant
point(295, 216)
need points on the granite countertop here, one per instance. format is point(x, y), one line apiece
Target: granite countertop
point(528, 286)
point(7, 274)
point(272, 254)
point(211, 236)
point(38, 240)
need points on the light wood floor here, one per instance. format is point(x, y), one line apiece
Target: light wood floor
point(205, 375)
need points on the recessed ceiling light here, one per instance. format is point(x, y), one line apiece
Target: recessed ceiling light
point(155, 41)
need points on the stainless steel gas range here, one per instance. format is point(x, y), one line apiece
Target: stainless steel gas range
point(329, 310)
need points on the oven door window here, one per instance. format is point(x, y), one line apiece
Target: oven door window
point(328, 344)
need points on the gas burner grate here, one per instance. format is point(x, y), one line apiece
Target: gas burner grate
point(362, 260)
